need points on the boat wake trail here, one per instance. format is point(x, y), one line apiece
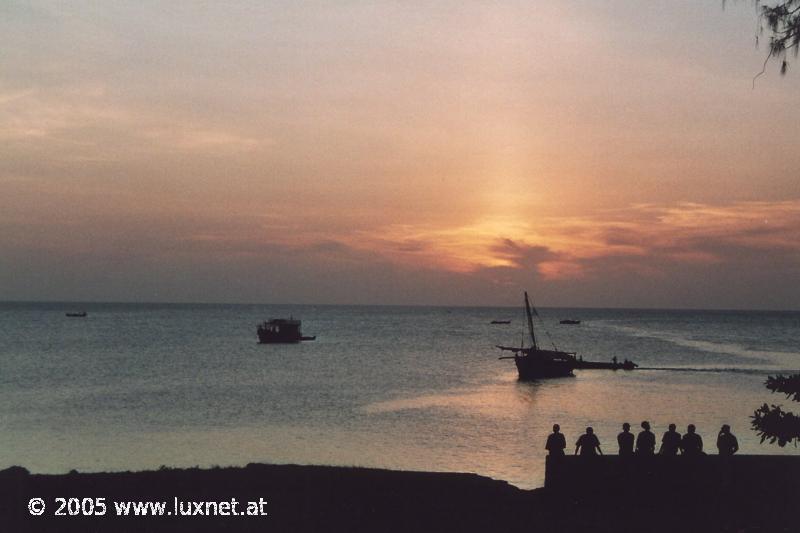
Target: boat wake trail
point(707, 346)
point(752, 371)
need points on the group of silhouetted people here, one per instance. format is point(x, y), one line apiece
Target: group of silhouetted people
point(644, 444)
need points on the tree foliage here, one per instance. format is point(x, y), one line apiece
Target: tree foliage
point(771, 422)
point(782, 22)
point(788, 385)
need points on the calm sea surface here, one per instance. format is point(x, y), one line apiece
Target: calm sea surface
point(137, 386)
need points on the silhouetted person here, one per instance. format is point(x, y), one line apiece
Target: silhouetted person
point(556, 442)
point(726, 441)
point(645, 440)
point(625, 440)
point(691, 443)
point(588, 443)
point(614, 360)
point(670, 442)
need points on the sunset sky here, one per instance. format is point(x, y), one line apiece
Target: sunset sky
point(600, 153)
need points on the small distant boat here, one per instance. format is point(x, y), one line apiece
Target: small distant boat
point(281, 331)
point(81, 314)
point(570, 321)
point(500, 322)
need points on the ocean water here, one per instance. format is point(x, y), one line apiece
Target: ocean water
point(136, 386)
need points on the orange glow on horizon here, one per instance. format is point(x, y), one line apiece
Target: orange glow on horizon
point(678, 233)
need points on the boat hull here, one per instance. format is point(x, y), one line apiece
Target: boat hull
point(269, 337)
point(278, 341)
point(543, 364)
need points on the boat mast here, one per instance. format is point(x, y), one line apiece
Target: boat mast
point(530, 321)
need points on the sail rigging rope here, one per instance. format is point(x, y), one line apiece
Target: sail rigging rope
point(541, 321)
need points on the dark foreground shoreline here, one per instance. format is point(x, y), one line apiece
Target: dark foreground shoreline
point(761, 494)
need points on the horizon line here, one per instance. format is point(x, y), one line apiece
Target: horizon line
point(438, 306)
